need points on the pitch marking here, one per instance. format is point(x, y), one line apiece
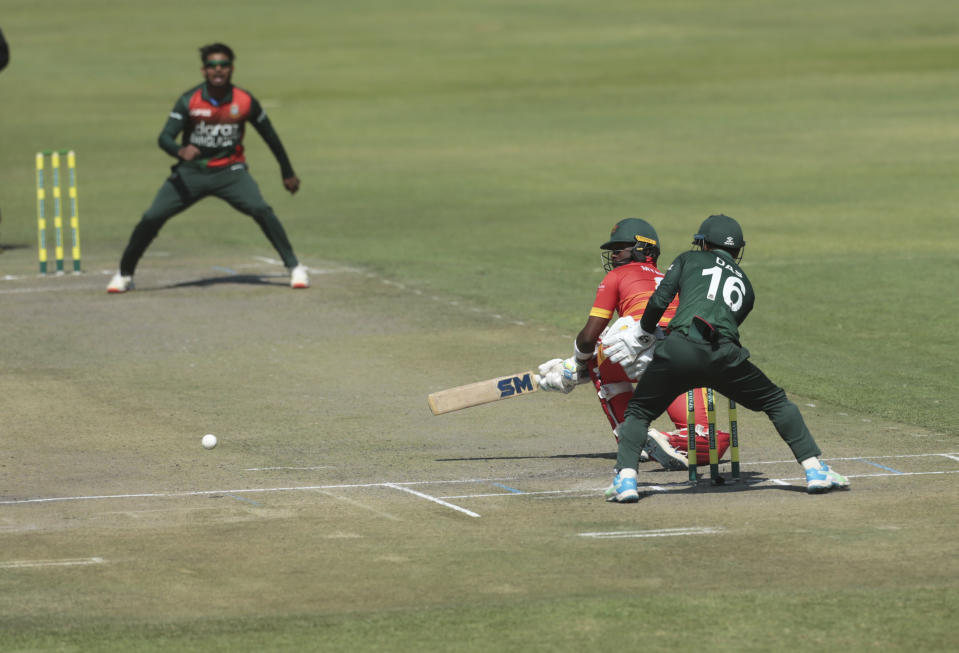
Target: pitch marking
point(432, 498)
point(21, 564)
point(659, 532)
point(400, 486)
point(888, 469)
point(267, 469)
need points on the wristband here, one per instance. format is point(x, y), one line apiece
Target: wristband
point(580, 356)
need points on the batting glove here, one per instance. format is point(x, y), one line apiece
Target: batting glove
point(552, 377)
point(628, 345)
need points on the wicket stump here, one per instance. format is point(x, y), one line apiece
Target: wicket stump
point(692, 460)
point(42, 250)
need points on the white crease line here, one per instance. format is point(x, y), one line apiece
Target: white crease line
point(21, 564)
point(433, 499)
point(195, 493)
point(398, 485)
point(661, 532)
point(946, 455)
point(16, 291)
point(680, 486)
point(856, 458)
point(507, 494)
point(896, 475)
point(267, 469)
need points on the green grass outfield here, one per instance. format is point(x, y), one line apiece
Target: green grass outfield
point(461, 163)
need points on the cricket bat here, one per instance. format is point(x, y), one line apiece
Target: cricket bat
point(483, 392)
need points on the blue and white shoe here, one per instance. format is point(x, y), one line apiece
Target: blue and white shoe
point(823, 479)
point(623, 489)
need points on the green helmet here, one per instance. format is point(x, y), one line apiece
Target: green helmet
point(639, 233)
point(720, 231)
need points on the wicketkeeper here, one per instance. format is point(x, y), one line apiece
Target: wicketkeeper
point(702, 348)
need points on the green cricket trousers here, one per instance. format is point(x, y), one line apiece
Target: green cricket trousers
point(188, 185)
point(682, 363)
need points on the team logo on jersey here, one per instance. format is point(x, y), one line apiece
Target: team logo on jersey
point(214, 135)
point(234, 110)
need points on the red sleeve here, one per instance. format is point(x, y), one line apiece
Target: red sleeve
point(607, 297)
point(627, 289)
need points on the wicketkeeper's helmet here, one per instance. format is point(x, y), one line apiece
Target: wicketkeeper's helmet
point(721, 231)
point(639, 233)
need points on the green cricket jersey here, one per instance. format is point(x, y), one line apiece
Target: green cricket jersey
point(217, 128)
point(712, 289)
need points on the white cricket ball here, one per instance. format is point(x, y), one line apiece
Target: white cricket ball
point(208, 441)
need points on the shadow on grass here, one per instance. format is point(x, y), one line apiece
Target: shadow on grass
point(242, 279)
point(747, 481)
point(608, 456)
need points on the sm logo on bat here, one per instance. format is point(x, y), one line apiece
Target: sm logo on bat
point(515, 385)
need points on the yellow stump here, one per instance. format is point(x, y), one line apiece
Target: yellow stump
point(57, 195)
point(41, 217)
point(57, 214)
point(74, 211)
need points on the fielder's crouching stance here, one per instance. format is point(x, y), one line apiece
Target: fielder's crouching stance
point(703, 349)
point(629, 257)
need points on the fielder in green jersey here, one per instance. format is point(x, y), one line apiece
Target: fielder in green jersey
point(211, 160)
point(702, 349)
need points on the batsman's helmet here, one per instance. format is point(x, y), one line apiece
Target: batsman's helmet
point(723, 232)
point(639, 234)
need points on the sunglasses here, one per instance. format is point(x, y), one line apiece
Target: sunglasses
point(222, 63)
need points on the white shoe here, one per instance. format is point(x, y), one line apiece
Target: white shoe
point(120, 283)
point(299, 277)
point(664, 453)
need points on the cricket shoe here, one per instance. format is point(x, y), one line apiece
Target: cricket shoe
point(299, 277)
point(120, 283)
point(822, 479)
point(623, 489)
point(664, 453)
